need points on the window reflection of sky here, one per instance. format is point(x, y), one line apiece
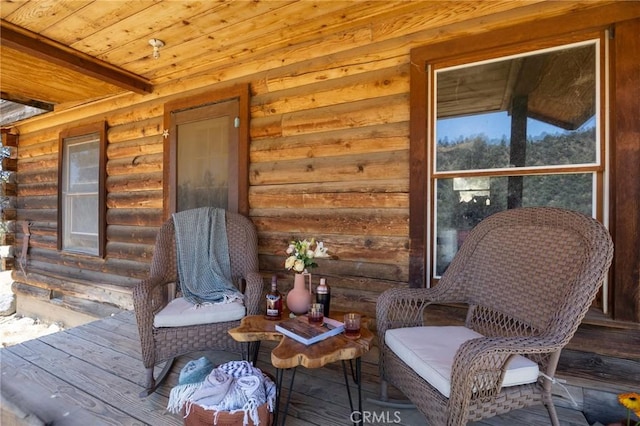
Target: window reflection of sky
point(495, 126)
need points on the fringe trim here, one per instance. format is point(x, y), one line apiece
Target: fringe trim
point(180, 395)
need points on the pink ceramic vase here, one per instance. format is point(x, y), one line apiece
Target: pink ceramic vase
point(299, 297)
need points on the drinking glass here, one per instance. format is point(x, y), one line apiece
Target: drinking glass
point(352, 325)
point(316, 313)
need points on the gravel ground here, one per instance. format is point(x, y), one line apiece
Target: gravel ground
point(15, 329)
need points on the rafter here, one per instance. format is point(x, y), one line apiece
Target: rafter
point(35, 45)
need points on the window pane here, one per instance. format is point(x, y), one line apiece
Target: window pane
point(530, 111)
point(463, 202)
point(80, 194)
point(83, 166)
point(203, 164)
point(82, 230)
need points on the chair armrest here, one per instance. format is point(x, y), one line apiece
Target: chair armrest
point(151, 294)
point(400, 307)
point(404, 307)
point(253, 293)
point(479, 364)
point(149, 297)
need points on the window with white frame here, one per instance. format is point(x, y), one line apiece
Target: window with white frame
point(506, 127)
point(514, 132)
point(81, 182)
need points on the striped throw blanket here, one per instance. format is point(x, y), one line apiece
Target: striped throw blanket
point(235, 386)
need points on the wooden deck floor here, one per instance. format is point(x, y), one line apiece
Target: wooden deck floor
point(92, 375)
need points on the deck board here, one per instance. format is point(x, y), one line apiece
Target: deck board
point(52, 399)
point(92, 374)
point(95, 380)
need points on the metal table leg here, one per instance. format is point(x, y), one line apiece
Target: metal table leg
point(356, 375)
point(279, 377)
point(246, 351)
point(254, 348)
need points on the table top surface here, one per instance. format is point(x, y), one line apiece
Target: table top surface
point(255, 328)
point(290, 353)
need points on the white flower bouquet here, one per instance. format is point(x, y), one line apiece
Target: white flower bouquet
point(302, 254)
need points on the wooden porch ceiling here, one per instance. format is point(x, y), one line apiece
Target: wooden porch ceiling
point(67, 52)
point(66, 75)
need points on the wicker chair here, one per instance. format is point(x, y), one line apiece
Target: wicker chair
point(527, 277)
point(150, 296)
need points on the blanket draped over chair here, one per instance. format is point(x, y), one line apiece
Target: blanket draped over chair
point(204, 268)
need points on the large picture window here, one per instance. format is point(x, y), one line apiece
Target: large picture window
point(511, 127)
point(81, 183)
point(513, 132)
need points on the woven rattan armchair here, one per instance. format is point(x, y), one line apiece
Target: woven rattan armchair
point(528, 277)
point(150, 296)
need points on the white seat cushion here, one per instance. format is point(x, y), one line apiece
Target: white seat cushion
point(179, 312)
point(429, 351)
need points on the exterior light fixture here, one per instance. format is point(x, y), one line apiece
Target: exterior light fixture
point(156, 44)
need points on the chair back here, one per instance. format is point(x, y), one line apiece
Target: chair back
point(530, 271)
point(242, 241)
point(153, 294)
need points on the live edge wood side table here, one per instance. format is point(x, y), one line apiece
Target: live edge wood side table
point(290, 354)
point(252, 330)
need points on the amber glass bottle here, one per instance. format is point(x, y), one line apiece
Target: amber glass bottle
point(274, 301)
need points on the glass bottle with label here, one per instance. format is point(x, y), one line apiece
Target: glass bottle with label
point(274, 301)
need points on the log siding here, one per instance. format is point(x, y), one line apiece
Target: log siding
point(329, 151)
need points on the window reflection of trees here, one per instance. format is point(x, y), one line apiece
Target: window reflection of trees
point(555, 168)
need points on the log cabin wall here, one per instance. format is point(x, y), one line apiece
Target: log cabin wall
point(329, 158)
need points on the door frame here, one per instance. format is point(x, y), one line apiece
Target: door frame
point(241, 94)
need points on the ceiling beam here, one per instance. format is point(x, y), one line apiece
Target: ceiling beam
point(24, 101)
point(41, 47)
